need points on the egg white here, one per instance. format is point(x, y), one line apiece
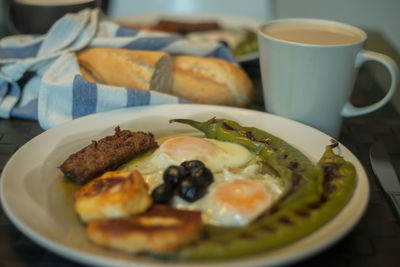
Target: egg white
point(216, 155)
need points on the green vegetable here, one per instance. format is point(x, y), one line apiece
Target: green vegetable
point(313, 194)
point(248, 45)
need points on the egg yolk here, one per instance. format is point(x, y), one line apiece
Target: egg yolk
point(187, 148)
point(246, 198)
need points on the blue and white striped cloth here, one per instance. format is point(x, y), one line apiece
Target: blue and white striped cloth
point(40, 77)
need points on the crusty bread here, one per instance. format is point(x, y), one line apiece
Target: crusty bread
point(197, 79)
point(161, 229)
point(88, 75)
point(113, 195)
point(211, 81)
point(137, 69)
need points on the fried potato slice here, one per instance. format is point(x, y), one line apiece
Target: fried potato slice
point(161, 229)
point(113, 195)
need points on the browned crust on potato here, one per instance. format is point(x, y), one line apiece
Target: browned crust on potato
point(161, 229)
point(113, 195)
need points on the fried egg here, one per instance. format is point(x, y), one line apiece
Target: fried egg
point(236, 198)
point(216, 155)
point(241, 190)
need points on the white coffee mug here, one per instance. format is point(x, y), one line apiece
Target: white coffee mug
point(309, 67)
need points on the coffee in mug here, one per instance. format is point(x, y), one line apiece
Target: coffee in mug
point(313, 34)
point(309, 67)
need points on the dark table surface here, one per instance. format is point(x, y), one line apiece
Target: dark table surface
point(375, 240)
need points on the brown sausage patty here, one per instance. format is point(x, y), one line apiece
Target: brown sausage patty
point(106, 154)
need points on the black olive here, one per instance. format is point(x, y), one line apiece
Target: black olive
point(162, 194)
point(202, 175)
point(173, 175)
point(191, 164)
point(191, 191)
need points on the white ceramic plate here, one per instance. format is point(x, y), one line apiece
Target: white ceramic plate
point(225, 21)
point(36, 202)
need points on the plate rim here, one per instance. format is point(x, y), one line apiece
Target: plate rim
point(252, 260)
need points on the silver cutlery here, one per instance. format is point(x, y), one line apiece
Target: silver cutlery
point(385, 173)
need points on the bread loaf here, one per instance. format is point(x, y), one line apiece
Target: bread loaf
point(146, 70)
point(211, 81)
point(197, 79)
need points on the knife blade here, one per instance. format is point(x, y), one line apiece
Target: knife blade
point(385, 173)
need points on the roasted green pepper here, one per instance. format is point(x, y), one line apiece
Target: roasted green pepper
point(314, 194)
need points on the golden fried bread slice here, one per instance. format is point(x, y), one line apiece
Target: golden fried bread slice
point(161, 229)
point(114, 194)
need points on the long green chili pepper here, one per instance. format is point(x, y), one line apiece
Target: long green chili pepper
point(314, 194)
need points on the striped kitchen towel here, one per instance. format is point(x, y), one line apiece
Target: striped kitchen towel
point(40, 77)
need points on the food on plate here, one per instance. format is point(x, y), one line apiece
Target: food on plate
point(240, 41)
point(211, 81)
point(115, 194)
point(162, 229)
point(174, 26)
point(313, 194)
point(197, 79)
point(215, 154)
point(106, 154)
point(250, 192)
point(189, 180)
point(201, 169)
point(138, 69)
point(240, 201)
point(248, 45)
point(181, 27)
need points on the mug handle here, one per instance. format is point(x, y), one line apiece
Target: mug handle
point(350, 110)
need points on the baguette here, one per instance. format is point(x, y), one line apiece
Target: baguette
point(211, 81)
point(137, 69)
